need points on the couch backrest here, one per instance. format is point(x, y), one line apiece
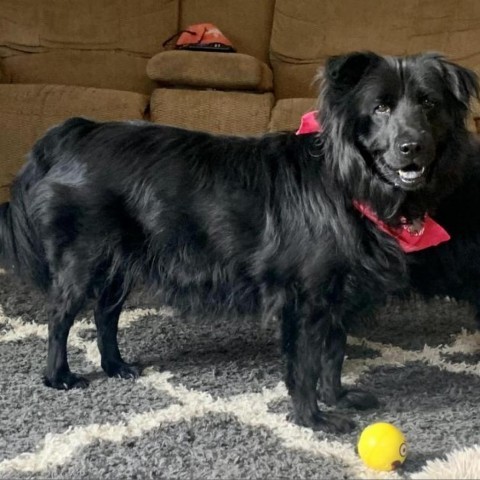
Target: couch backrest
point(101, 43)
point(306, 32)
point(106, 43)
point(246, 23)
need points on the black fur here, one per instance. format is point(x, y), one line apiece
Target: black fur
point(244, 225)
point(453, 268)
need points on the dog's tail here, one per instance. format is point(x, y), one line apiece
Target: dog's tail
point(20, 248)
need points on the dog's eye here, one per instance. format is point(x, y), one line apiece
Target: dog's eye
point(383, 108)
point(427, 103)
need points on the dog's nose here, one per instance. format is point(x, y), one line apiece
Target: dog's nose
point(410, 149)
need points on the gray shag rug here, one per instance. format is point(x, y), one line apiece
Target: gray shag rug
point(211, 402)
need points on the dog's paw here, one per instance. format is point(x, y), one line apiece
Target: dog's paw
point(326, 422)
point(65, 381)
point(121, 370)
point(358, 399)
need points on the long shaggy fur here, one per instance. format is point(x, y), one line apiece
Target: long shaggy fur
point(453, 268)
point(244, 225)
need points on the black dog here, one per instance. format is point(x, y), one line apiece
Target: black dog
point(266, 225)
point(453, 268)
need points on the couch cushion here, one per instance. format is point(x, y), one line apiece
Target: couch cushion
point(306, 32)
point(93, 43)
point(227, 71)
point(3, 75)
point(246, 23)
point(212, 111)
point(287, 113)
point(113, 70)
point(295, 80)
point(26, 111)
point(134, 26)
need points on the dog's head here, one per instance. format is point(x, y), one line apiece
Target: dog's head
point(398, 113)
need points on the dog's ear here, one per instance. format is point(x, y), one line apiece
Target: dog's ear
point(461, 81)
point(345, 71)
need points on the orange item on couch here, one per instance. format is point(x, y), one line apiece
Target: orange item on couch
point(202, 36)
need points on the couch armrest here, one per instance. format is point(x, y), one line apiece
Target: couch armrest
point(224, 71)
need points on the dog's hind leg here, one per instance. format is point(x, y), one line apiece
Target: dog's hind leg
point(66, 300)
point(107, 312)
point(304, 334)
point(330, 389)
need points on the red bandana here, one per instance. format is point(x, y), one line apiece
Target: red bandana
point(410, 237)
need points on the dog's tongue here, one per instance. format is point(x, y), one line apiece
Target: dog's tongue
point(410, 238)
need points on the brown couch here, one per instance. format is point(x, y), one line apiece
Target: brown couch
point(104, 59)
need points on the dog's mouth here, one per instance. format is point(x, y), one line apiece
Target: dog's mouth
point(411, 174)
point(409, 177)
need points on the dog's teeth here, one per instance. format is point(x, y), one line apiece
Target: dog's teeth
point(411, 174)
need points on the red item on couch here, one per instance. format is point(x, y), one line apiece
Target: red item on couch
point(202, 36)
point(411, 237)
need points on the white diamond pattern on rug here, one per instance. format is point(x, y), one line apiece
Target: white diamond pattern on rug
point(211, 402)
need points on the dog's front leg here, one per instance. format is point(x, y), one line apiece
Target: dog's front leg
point(304, 335)
point(330, 390)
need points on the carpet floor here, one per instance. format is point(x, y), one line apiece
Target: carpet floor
point(211, 402)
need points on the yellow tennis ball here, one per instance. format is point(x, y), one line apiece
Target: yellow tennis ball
point(382, 446)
